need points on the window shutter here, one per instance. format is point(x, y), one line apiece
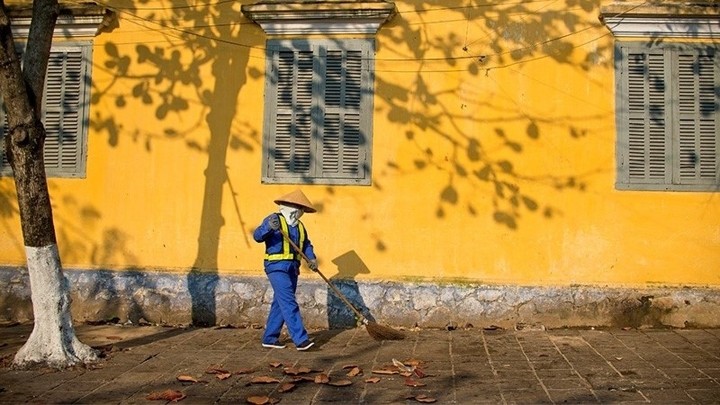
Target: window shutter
point(65, 110)
point(291, 155)
point(697, 128)
point(63, 92)
point(668, 116)
point(342, 156)
point(647, 142)
point(319, 112)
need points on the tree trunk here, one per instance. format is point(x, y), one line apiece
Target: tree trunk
point(52, 341)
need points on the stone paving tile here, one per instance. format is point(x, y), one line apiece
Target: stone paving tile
point(614, 396)
point(555, 373)
point(573, 396)
point(669, 396)
point(60, 397)
point(707, 396)
point(478, 395)
point(564, 383)
point(526, 396)
point(464, 366)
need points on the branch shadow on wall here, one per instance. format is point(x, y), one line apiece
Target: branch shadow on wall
point(161, 78)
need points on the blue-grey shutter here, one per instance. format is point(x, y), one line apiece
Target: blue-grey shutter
point(63, 109)
point(343, 142)
point(648, 145)
point(290, 154)
point(65, 112)
point(668, 116)
point(319, 112)
point(697, 84)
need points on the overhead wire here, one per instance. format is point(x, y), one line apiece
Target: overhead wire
point(182, 30)
point(166, 27)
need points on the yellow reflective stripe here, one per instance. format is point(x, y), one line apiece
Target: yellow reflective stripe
point(301, 230)
point(286, 254)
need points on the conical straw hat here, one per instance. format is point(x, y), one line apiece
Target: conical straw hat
point(297, 198)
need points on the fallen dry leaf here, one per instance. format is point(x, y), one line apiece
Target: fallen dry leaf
point(222, 376)
point(386, 370)
point(296, 370)
point(275, 364)
point(216, 370)
point(261, 400)
point(414, 362)
point(355, 371)
point(286, 387)
point(347, 366)
point(186, 378)
point(425, 399)
point(373, 380)
point(420, 373)
point(402, 367)
point(413, 383)
point(340, 383)
point(264, 380)
point(322, 378)
point(167, 395)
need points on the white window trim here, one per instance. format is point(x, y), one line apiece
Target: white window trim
point(308, 18)
point(366, 107)
point(66, 26)
point(78, 24)
point(666, 21)
point(86, 20)
point(671, 119)
point(79, 169)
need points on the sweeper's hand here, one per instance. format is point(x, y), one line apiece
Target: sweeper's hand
point(274, 222)
point(313, 265)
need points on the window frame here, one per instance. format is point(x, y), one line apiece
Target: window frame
point(319, 111)
point(670, 89)
point(79, 168)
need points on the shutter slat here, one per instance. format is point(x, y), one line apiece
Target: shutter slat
point(647, 145)
point(697, 132)
point(316, 121)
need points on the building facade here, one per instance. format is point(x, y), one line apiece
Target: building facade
point(507, 164)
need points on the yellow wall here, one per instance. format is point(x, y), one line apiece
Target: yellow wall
point(467, 99)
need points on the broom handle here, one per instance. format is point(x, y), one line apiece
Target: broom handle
point(335, 289)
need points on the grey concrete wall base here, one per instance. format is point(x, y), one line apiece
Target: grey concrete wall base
point(209, 299)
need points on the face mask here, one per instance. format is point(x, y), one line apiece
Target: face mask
point(291, 214)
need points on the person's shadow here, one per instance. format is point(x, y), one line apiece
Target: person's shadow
point(339, 315)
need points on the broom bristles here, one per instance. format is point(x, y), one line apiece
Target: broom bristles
point(380, 332)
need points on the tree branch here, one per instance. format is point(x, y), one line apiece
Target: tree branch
point(37, 54)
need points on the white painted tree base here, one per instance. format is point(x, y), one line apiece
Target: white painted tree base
point(52, 342)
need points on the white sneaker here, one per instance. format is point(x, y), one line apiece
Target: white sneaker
point(276, 345)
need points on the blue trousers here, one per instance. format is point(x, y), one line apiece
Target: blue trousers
point(284, 309)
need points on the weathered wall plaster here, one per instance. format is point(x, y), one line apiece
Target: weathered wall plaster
point(161, 298)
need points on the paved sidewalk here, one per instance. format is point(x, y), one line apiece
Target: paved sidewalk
point(464, 366)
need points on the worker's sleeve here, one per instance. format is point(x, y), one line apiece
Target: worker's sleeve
point(263, 231)
point(307, 247)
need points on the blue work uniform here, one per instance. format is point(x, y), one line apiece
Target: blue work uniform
point(282, 267)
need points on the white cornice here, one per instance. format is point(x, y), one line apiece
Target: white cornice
point(671, 20)
point(66, 26)
point(329, 17)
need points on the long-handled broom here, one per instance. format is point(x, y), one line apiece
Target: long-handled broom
point(375, 330)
